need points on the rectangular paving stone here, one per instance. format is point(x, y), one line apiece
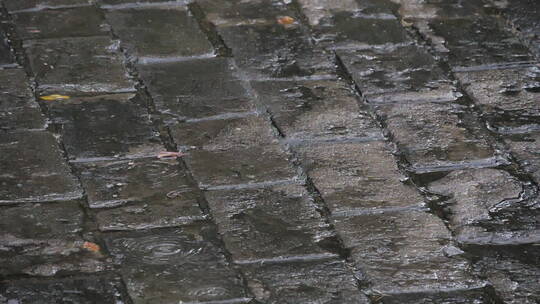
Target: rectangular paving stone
point(17, 5)
point(175, 266)
point(398, 71)
point(78, 65)
point(33, 169)
point(478, 41)
point(45, 240)
point(267, 163)
point(81, 290)
point(276, 51)
point(269, 223)
point(60, 23)
point(413, 10)
point(473, 197)
point(508, 98)
point(357, 177)
point(160, 32)
point(320, 109)
point(224, 134)
point(18, 108)
point(436, 136)
point(195, 88)
point(320, 11)
point(523, 15)
point(320, 281)
point(104, 126)
point(151, 193)
point(407, 255)
point(526, 148)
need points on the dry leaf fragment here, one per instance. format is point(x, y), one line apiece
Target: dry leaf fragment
point(169, 154)
point(91, 247)
point(54, 97)
point(286, 20)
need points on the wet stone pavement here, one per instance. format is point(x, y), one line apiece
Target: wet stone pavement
point(270, 151)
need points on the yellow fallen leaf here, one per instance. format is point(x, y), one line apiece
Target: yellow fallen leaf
point(285, 20)
point(91, 247)
point(54, 97)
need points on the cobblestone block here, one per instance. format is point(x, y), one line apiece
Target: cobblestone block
point(273, 222)
point(436, 136)
point(104, 126)
point(276, 51)
point(323, 281)
point(514, 280)
point(155, 191)
point(44, 240)
point(18, 109)
point(355, 30)
point(473, 197)
point(174, 266)
point(523, 15)
point(224, 134)
point(238, 12)
point(60, 23)
point(526, 147)
point(436, 9)
point(195, 88)
point(400, 70)
point(318, 11)
point(166, 31)
point(508, 98)
point(240, 166)
point(315, 109)
point(357, 176)
point(478, 41)
point(406, 254)
point(33, 169)
point(17, 5)
point(72, 65)
point(80, 290)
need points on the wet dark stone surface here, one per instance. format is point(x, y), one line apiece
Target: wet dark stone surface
point(479, 41)
point(395, 69)
point(433, 135)
point(525, 148)
point(172, 266)
point(315, 109)
point(273, 222)
point(357, 177)
point(148, 193)
point(276, 51)
point(18, 109)
point(167, 31)
point(83, 290)
point(327, 282)
point(60, 23)
point(15, 5)
point(104, 126)
point(78, 65)
point(195, 89)
point(33, 169)
point(508, 98)
point(6, 57)
point(44, 240)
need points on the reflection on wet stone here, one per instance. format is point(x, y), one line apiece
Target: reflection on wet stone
point(315, 109)
point(174, 266)
point(44, 240)
point(268, 223)
point(60, 23)
point(80, 290)
point(33, 169)
point(167, 31)
point(78, 65)
point(104, 126)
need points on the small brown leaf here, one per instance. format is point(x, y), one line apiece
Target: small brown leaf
point(285, 20)
point(169, 154)
point(91, 247)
